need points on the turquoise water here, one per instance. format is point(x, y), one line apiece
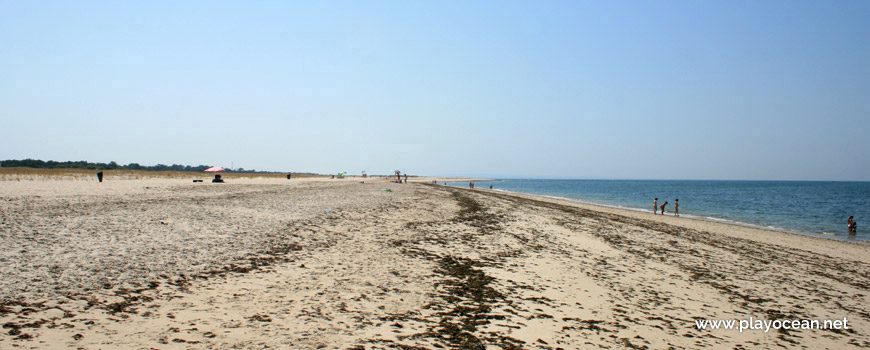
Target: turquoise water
point(807, 207)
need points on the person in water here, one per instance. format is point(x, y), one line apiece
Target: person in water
point(663, 207)
point(677, 207)
point(853, 226)
point(656, 206)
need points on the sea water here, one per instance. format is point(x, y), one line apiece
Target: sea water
point(806, 207)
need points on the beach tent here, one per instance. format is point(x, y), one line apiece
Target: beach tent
point(214, 169)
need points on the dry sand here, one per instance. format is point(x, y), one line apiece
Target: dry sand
point(339, 264)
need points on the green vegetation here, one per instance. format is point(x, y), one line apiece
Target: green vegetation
point(82, 164)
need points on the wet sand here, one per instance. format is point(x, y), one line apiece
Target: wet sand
point(339, 264)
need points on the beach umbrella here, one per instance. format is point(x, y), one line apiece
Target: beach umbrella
point(214, 169)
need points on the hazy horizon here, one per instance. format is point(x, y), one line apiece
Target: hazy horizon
point(487, 176)
point(588, 90)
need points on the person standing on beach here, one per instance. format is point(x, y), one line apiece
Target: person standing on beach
point(676, 207)
point(663, 207)
point(656, 206)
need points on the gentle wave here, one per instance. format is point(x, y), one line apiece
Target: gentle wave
point(766, 205)
point(686, 216)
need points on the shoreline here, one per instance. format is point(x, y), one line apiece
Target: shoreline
point(724, 221)
point(828, 246)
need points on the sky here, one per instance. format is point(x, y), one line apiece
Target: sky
point(748, 90)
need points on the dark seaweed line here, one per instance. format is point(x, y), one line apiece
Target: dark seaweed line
point(739, 246)
point(468, 295)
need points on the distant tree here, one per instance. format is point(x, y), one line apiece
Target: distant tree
point(82, 164)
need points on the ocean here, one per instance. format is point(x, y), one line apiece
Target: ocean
point(814, 208)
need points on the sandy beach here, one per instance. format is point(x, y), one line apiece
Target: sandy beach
point(310, 263)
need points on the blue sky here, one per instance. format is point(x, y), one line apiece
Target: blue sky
point(554, 89)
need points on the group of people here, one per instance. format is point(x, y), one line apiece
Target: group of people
point(471, 185)
point(656, 206)
point(853, 225)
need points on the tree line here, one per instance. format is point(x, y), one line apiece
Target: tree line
point(41, 164)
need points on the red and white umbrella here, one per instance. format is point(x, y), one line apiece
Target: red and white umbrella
point(214, 169)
